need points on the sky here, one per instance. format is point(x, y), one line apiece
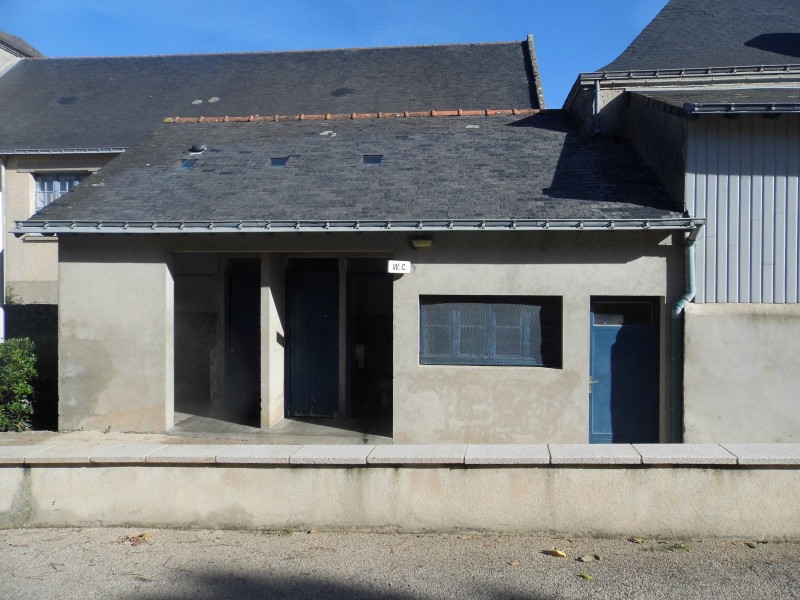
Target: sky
point(571, 36)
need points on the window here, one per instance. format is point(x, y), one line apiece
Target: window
point(51, 187)
point(490, 330)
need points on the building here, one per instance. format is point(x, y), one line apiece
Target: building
point(625, 269)
point(709, 95)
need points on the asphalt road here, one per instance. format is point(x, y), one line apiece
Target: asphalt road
point(199, 564)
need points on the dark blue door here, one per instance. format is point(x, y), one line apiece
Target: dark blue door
point(312, 338)
point(624, 371)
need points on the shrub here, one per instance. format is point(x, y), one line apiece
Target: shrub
point(17, 369)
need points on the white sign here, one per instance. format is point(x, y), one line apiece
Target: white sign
point(400, 267)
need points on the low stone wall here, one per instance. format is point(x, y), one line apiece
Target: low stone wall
point(702, 490)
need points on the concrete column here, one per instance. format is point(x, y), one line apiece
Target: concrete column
point(272, 340)
point(116, 334)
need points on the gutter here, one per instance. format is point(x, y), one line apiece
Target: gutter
point(676, 360)
point(51, 227)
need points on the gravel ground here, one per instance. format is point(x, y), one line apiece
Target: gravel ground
point(199, 564)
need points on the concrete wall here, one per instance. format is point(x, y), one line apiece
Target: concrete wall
point(115, 336)
point(117, 302)
point(64, 488)
point(659, 137)
point(435, 403)
point(741, 376)
point(31, 262)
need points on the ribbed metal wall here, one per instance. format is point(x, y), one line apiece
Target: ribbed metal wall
point(743, 177)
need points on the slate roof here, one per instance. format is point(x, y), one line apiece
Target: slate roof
point(725, 100)
point(91, 103)
point(433, 168)
point(716, 33)
point(18, 46)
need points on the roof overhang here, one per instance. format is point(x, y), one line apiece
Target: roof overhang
point(288, 226)
point(108, 150)
point(737, 108)
point(694, 76)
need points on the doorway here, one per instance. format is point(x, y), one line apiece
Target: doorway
point(624, 370)
point(338, 344)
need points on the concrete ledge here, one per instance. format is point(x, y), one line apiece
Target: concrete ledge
point(16, 455)
point(684, 454)
point(507, 454)
point(331, 455)
point(594, 454)
point(180, 454)
point(257, 455)
point(533, 455)
point(765, 454)
point(418, 454)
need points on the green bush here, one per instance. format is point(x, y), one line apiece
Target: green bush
point(17, 370)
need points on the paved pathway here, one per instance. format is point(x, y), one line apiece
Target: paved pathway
point(199, 564)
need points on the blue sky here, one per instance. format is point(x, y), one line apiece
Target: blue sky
point(571, 35)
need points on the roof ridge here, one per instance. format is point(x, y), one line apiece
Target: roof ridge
point(488, 112)
point(301, 51)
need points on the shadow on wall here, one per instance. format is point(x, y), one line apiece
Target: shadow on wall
point(787, 44)
point(235, 585)
point(39, 322)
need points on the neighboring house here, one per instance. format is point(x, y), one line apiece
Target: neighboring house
point(709, 95)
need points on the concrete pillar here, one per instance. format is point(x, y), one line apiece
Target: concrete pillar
point(272, 339)
point(116, 334)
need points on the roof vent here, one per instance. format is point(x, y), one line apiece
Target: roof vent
point(198, 147)
point(278, 161)
point(372, 159)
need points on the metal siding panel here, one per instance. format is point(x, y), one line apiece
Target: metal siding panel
point(695, 199)
point(722, 200)
point(768, 215)
point(745, 210)
point(756, 214)
point(792, 216)
point(733, 178)
point(712, 182)
point(781, 181)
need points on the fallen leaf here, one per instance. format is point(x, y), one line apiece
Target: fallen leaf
point(312, 531)
point(135, 540)
point(585, 558)
point(555, 552)
point(636, 540)
point(585, 576)
point(514, 563)
point(752, 545)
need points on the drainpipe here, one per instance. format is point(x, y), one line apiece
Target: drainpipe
point(677, 337)
point(597, 104)
point(2, 249)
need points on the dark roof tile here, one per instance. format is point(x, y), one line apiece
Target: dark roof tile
point(435, 168)
point(716, 33)
point(113, 102)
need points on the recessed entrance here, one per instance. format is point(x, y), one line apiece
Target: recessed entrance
point(338, 338)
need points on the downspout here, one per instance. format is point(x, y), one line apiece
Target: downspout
point(597, 105)
point(2, 248)
point(677, 337)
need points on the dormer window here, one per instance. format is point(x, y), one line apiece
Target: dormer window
point(52, 186)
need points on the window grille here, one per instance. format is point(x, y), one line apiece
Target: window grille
point(490, 330)
point(53, 186)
